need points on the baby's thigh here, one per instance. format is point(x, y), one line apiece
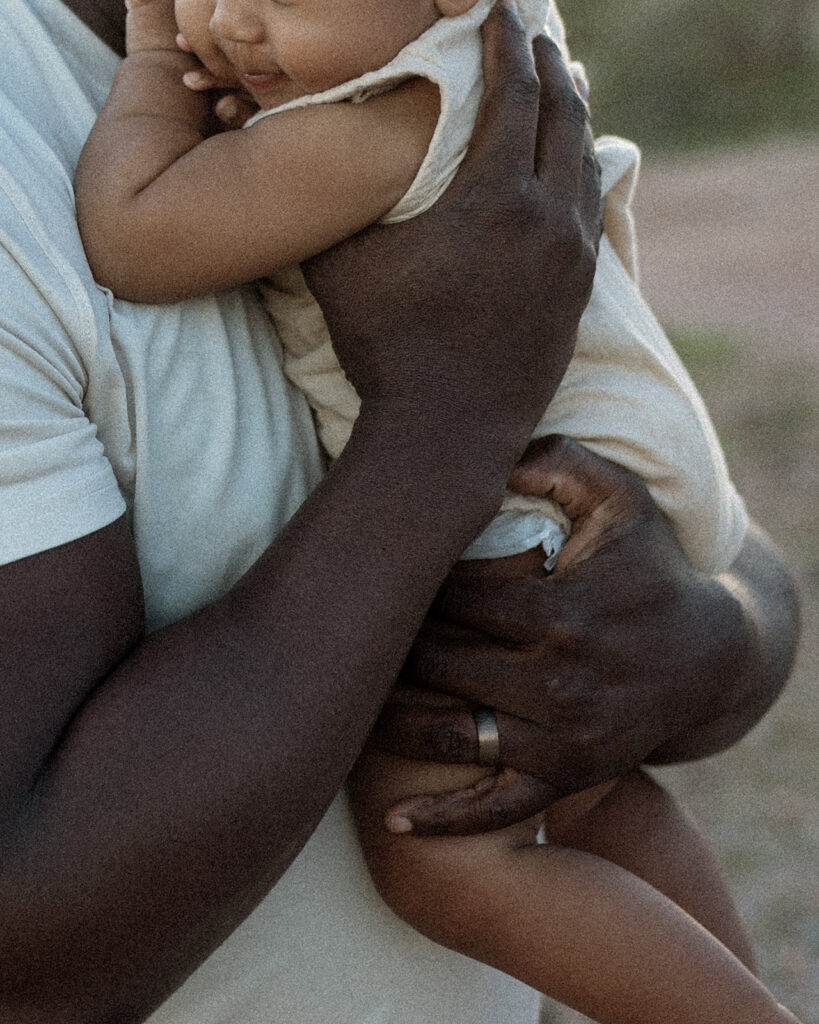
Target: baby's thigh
point(438, 884)
point(574, 811)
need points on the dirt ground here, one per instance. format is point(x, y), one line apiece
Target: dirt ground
point(730, 240)
point(729, 246)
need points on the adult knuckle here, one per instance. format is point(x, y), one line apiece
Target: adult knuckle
point(522, 88)
point(513, 93)
point(452, 743)
point(494, 814)
point(570, 632)
point(572, 703)
point(568, 234)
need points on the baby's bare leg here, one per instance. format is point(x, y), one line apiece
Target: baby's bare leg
point(427, 881)
point(571, 924)
point(639, 826)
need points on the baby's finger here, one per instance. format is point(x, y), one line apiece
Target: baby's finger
point(183, 43)
point(199, 80)
point(233, 109)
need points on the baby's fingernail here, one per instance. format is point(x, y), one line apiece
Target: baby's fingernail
point(227, 108)
point(193, 79)
point(398, 823)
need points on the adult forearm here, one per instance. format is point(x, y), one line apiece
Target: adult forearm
point(186, 782)
point(758, 602)
point(145, 810)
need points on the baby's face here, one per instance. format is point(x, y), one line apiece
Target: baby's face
point(280, 49)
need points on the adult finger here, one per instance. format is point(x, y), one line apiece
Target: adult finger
point(581, 83)
point(598, 497)
point(565, 154)
point(494, 802)
point(505, 130)
point(422, 732)
point(563, 131)
point(562, 469)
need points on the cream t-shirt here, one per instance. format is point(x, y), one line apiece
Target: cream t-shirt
point(181, 416)
point(625, 393)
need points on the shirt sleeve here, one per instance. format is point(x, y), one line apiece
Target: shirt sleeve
point(55, 482)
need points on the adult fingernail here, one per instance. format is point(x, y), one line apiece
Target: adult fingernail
point(398, 823)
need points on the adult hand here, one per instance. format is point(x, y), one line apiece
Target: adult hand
point(420, 312)
point(591, 670)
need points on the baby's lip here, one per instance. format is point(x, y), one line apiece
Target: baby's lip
point(261, 79)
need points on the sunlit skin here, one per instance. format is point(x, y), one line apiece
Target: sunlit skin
point(278, 50)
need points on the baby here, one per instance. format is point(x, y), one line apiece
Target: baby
point(366, 111)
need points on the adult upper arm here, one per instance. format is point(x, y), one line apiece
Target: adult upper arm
point(68, 606)
point(69, 615)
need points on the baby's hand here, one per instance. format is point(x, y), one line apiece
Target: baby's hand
point(233, 107)
point(150, 25)
point(199, 80)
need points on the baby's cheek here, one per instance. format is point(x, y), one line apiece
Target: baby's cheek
point(193, 20)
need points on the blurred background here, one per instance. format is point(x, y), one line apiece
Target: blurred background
point(723, 98)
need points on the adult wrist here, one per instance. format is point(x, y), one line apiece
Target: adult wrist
point(452, 473)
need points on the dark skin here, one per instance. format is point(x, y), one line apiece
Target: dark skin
point(153, 789)
point(132, 844)
point(624, 655)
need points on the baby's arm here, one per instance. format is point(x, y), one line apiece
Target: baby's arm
point(166, 212)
